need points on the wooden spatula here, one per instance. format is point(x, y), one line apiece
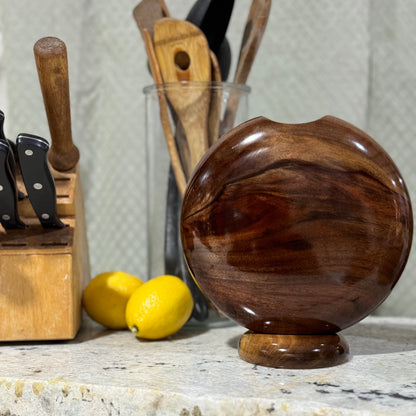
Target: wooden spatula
point(253, 33)
point(174, 260)
point(147, 12)
point(216, 100)
point(183, 55)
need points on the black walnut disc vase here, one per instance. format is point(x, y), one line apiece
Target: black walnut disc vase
point(296, 232)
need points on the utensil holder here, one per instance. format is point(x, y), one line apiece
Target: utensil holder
point(228, 106)
point(43, 271)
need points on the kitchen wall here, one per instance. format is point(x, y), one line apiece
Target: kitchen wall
point(352, 59)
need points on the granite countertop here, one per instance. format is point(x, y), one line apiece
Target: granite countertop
point(198, 373)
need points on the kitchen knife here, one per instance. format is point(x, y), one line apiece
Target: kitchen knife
point(52, 65)
point(11, 156)
point(9, 216)
point(38, 180)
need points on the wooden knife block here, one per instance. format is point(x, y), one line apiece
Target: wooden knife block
point(43, 271)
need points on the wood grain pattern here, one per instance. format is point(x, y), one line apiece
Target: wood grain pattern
point(164, 115)
point(296, 229)
point(257, 19)
point(52, 65)
point(293, 351)
point(183, 55)
point(214, 114)
point(43, 273)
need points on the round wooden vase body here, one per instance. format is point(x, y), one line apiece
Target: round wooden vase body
point(296, 231)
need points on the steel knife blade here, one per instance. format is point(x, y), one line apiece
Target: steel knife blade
point(9, 216)
point(40, 186)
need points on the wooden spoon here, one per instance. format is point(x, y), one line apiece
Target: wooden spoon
point(164, 115)
point(183, 55)
point(253, 34)
point(146, 13)
point(174, 260)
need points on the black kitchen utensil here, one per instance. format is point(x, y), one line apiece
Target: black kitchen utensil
point(38, 180)
point(213, 17)
point(9, 216)
point(11, 156)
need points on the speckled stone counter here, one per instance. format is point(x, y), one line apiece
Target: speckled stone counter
point(198, 373)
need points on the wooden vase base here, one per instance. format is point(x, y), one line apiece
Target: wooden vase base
point(293, 351)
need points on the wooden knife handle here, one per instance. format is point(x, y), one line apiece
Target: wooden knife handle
point(52, 65)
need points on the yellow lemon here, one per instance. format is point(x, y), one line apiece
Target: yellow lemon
point(159, 308)
point(106, 296)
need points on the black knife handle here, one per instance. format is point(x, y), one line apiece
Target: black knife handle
point(11, 156)
point(9, 216)
point(12, 166)
point(37, 177)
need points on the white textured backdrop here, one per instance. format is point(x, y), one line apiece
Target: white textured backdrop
point(354, 59)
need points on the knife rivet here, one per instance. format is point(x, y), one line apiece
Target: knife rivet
point(5, 217)
point(28, 152)
point(1, 187)
point(37, 185)
point(45, 216)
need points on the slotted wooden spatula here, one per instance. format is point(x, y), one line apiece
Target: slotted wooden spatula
point(183, 55)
